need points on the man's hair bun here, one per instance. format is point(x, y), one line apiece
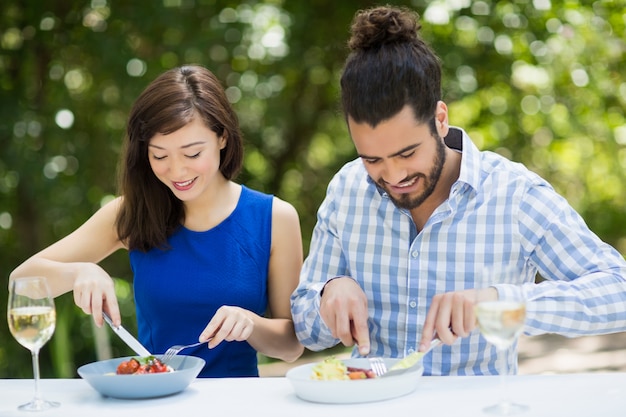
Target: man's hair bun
point(375, 27)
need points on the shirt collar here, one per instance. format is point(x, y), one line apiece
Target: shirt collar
point(459, 140)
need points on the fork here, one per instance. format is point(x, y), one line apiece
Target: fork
point(378, 365)
point(175, 350)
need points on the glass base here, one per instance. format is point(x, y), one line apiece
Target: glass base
point(38, 405)
point(506, 409)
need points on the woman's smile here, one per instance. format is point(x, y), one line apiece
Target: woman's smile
point(184, 185)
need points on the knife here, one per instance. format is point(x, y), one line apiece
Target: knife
point(408, 362)
point(127, 337)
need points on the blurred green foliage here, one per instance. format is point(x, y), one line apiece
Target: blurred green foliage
point(540, 81)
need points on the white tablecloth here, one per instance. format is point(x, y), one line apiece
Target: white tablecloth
point(568, 395)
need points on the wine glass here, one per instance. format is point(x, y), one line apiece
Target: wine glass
point(32, 318)
point(501, 320)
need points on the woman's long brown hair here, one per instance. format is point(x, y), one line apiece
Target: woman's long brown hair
point(150, 212)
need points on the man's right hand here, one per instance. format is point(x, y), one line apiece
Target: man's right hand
point(343, 308)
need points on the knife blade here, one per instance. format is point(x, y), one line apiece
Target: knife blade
point(413, 359)
point(128, 338)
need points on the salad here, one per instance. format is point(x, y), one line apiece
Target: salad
point(333, 369)
point(146, 365)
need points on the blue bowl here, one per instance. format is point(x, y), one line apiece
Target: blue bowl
point(103, 378)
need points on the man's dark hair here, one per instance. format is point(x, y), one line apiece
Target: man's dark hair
point(389, 66)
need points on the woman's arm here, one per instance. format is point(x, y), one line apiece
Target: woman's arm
point(71, 264)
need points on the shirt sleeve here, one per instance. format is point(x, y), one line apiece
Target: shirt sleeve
point(324, 262)
point(584, 279)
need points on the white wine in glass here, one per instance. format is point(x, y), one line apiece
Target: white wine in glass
point(501, 322)
point(32, 319)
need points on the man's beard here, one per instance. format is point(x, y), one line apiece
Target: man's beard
point(405, 201)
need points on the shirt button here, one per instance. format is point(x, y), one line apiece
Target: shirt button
point(415, 254)
point(413, 304)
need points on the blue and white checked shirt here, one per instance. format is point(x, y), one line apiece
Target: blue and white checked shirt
point(497, 213)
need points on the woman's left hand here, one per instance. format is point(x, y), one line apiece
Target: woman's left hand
point(230, 324)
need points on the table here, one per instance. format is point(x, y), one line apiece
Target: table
point(570, 395)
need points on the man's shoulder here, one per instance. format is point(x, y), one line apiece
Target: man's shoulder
point(351, 183)
point(352, 166)
point(349, 172)
point(498, 168)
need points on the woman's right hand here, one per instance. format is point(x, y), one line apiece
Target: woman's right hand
point(94, 292)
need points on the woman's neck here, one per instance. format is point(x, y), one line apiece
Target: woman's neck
point(215, 205)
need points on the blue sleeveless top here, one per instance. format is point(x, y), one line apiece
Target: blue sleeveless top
point(178, 290)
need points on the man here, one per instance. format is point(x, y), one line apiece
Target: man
point(409, 228)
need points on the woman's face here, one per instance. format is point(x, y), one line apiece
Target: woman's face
point(187, 160)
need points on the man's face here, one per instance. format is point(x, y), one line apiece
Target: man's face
point(401, 156)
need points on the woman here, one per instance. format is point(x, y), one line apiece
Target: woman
point(212, 260)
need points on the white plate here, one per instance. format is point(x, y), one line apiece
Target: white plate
point(102, 377)
point(353, 391)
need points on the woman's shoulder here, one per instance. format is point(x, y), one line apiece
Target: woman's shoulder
point(284, 210)
point(280, 208)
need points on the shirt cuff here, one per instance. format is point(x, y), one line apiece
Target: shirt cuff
point(509, 291)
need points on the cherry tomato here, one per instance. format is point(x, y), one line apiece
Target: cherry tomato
point(128, 367)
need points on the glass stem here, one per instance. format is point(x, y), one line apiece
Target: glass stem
point(504, 373)
point(35, 355)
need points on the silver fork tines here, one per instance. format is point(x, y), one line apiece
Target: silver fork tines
point(175, 350)
point(378, 366)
